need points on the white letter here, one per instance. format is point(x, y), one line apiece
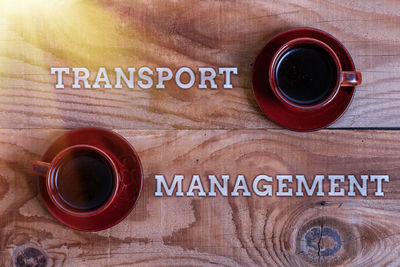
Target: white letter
point(120, 73)
point(301, 180)
point(282, 186)
point(162, 78)
point(353, 181)
point(210, 78)
point(178, 78)
point(222, 189)
point(228, 71)
point(334, 185)
point(78, 78)
point(59, 72)
point(145, 77)
point(379, 179)
point(240, 184)
point(102, 77)
point(267, 188)
point(161, 181)
point(196, 184)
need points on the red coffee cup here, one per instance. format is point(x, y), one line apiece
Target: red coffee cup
point(306, 74)
point(89, 179)
point(81, 180)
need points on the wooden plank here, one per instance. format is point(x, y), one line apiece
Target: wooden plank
point(175, 34)
point(223, 231)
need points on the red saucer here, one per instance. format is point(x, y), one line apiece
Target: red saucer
point(304, 120)
point(128, 164)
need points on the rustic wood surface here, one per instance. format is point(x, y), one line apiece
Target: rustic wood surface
point(211, 131)
point(223, 231)
point(189, 33)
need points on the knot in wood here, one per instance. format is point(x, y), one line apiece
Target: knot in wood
point(325, 241)
point(322, 242)
point(29, 256)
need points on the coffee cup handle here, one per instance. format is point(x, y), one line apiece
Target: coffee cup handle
point(351, 78)
point(39, 168)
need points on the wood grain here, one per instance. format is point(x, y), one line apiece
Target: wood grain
point(200, 132)
point(216, 231)
point(175, 34)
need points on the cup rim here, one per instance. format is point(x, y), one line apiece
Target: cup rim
point(50, 183)
point(288, 45)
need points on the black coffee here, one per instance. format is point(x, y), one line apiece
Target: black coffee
point(85, 180)
point(306, 74)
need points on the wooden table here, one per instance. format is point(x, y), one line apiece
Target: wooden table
point(199, 131)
